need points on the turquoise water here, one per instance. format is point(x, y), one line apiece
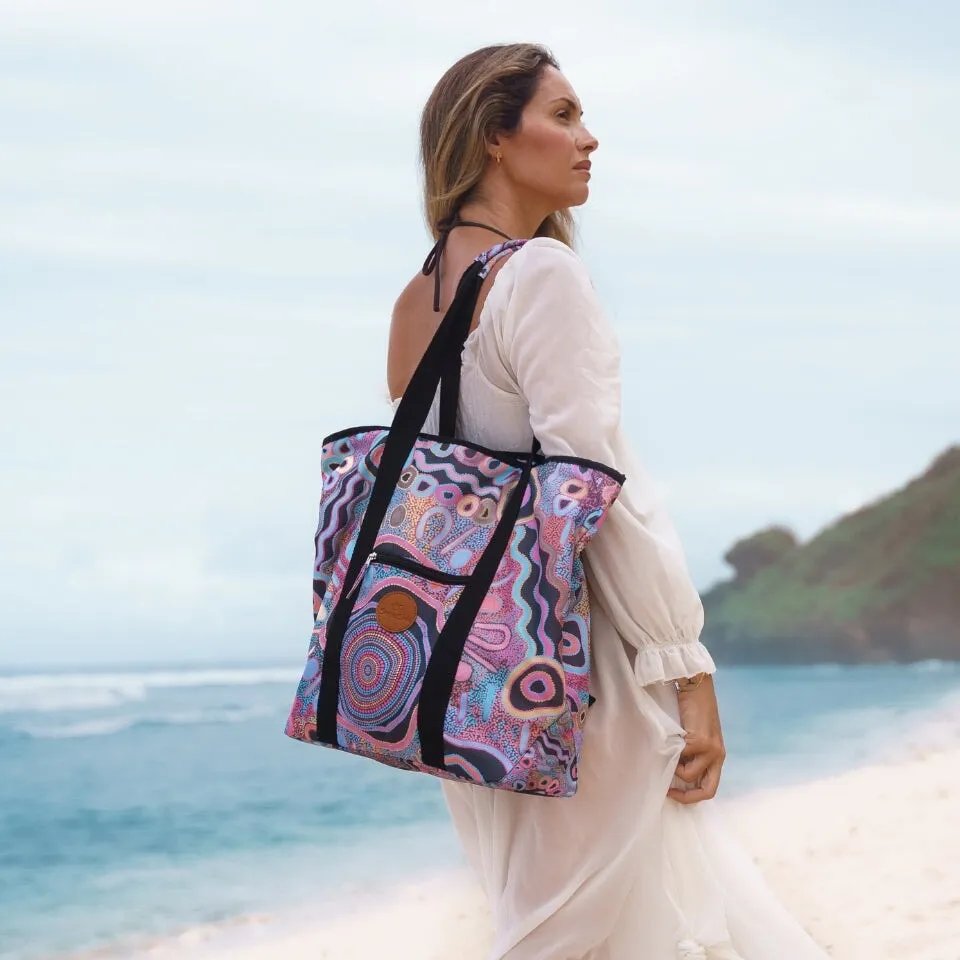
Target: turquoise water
point(134, 805)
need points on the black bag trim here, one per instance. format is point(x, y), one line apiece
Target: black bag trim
point(401, 562)
point(514, 458)
point(511, 457)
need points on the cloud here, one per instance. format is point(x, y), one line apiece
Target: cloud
point(207, 209)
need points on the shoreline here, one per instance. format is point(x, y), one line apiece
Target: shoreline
point(865, 860)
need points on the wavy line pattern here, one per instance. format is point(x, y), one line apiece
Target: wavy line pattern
point(518, 703)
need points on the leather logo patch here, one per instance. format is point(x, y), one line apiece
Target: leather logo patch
point(396, 611)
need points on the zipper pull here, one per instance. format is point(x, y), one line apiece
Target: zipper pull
point(356, 583)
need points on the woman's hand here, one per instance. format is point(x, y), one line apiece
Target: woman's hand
point(702, 757)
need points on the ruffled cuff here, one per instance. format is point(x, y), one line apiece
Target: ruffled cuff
point(660, 662)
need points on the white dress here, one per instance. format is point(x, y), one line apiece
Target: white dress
point(619, 871)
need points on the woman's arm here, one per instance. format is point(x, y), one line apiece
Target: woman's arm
point(565, 361)
point(564, 357)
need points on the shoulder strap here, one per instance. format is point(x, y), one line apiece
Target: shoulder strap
point(442, 357)
point(453, 364)
point(407, 423)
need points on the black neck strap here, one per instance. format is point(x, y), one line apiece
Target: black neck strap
point(432, 263)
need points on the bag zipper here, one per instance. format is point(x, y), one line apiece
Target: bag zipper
point(411, 566)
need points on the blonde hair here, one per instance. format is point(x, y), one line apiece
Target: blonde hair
point(482, 94)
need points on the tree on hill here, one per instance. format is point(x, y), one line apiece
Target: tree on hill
point(753, 553)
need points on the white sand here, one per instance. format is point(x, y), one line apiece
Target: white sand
point(869, 862)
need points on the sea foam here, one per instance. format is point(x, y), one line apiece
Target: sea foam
point(45, 692)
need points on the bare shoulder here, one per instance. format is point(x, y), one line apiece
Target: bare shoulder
point(414, 321)
point(413, 313)
point(408, 334)
point(411, 299)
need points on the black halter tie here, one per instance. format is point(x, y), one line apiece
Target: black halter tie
point(432, 263)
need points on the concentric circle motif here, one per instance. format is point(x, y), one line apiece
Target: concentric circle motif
point(425, 486)
point(407, 477)
point(535, 688)
point(574, 489)
point(380, 673)
point(572, 650)
point(565, 506)
point(448, 493)
point(343, 466)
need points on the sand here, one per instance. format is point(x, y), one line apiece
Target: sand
point(868, 861)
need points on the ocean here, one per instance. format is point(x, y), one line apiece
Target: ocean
point(136, 805)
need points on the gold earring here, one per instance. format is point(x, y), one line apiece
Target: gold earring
point(498, 159)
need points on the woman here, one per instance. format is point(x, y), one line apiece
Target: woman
point(635, 866)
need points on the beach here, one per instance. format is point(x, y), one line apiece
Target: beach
point(192, 829)
point(868, 861)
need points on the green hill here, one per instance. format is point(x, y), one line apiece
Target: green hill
point(882, 583)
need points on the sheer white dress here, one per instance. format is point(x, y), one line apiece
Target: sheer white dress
point(619, 871)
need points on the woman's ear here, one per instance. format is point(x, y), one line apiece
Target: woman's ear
point(494, 146)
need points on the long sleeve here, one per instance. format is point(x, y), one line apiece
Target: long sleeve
point(564, 358)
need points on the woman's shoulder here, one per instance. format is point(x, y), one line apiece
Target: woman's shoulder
point(546, 252)
point(544, 266)
point(544, 294)
point(541, 264)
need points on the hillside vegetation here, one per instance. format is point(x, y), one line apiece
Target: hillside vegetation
point(882, 583)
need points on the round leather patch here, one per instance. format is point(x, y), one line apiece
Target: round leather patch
point(396, 611)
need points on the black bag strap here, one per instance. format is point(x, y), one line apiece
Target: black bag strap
point(440, 675)
point(452, 365)
point(450, 382)
point(408, 421)
point(410, 416)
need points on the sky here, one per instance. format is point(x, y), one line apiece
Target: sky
point(207, 210)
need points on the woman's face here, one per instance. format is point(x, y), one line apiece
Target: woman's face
point(548, 155)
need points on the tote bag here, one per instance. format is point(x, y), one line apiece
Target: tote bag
point(452, 619)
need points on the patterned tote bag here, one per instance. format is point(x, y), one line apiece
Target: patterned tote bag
point(452, 621)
